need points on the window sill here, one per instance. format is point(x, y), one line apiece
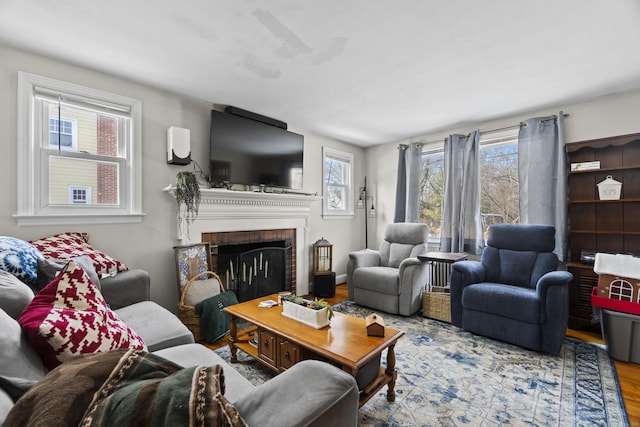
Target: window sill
point(27, 220)
point(340, 216)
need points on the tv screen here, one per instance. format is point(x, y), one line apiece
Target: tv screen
point(249, 152)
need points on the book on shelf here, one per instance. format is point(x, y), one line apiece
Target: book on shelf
point(583, 166)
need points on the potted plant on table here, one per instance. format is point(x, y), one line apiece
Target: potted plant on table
point(315, 313)
point(187, 196)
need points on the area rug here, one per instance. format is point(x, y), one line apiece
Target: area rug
point(449, 377)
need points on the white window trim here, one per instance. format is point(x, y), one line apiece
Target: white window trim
point(350, 197)
point(28, 159)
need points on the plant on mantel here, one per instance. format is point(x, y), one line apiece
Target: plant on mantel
point(316, 304)
point(187, 196)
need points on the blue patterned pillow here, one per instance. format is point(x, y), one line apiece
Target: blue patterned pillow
point(20, 259)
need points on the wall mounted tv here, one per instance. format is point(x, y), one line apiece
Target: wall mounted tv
point(251, 152)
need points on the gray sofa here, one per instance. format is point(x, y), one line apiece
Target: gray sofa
point(310, 393)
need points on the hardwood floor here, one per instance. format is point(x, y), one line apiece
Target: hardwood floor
point(628, 373)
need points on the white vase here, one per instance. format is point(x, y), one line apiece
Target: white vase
point(315, 318)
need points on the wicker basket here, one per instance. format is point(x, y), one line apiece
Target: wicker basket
point(188, 313)
point(437, 304)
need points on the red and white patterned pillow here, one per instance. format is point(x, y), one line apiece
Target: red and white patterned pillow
point(69, 316)
point(72, 244)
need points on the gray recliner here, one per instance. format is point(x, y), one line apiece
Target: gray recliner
point(391, 279)
point(514, 293)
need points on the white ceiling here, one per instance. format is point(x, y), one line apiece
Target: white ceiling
point(361, 71)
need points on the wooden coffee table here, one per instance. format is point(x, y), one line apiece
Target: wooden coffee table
point(282, 342)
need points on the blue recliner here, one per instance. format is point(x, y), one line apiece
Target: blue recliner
point(514, 293)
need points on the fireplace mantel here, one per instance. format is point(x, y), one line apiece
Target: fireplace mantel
point(227, 210)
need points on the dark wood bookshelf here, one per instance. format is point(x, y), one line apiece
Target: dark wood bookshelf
point(611, 226)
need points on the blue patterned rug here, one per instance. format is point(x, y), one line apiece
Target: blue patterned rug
point(448, 377)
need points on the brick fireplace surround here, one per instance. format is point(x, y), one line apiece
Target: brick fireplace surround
point(256, 215)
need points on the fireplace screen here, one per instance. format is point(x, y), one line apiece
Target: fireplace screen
point(253, 272)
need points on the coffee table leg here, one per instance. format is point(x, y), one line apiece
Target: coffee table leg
point(392, 373)
point(233, 338)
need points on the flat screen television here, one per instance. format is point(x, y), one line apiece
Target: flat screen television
point(250, 152)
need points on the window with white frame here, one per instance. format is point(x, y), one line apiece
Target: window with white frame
point(79, 195)
point(63, 133)
point(337, 176)
point(498, 179)
point(79, 154)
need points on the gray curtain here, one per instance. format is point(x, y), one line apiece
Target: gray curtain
point(407, 207)
point(461, 221)
point(542, 176)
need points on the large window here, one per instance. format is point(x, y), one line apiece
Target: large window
point(338, 182)
point(498, 179)
point(78, 154)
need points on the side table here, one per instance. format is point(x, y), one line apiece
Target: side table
point(436, 301)
point(440, 257)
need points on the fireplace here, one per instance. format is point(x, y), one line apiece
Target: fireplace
point(254, 263)
point(255, 216)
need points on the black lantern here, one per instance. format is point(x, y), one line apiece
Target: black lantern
point(324, 279)
point(322, 256)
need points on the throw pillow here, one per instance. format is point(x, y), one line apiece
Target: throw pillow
point(200, 290)
point(66, 246)
point(48, 269)
point(70, 317)
point(14, 294)
point(19, 258)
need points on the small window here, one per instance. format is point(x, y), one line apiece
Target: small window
point(621, 289)
point(63, 133)
point(79, 195)
point(79, 154)
point(338, 182)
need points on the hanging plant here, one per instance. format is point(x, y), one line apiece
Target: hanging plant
point(187, 195)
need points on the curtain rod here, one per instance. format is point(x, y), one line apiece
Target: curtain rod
point(544, 119)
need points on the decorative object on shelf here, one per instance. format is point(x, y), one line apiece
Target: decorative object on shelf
point(187, 196)
point(609, 189)
point(316, 313)
point(362, 204)
point(375, 325)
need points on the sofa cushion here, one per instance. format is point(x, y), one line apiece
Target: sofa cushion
point(19, 258)
point(513, 302)
point(384, 280)
point(188, 355)
point(69, 317)
point(17, 356)
point(14, 294)
point(158, 327)
point(69, 245)
point(6, 403)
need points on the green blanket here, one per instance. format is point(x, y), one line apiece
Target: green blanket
point(126, 387)
point(214, 321)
